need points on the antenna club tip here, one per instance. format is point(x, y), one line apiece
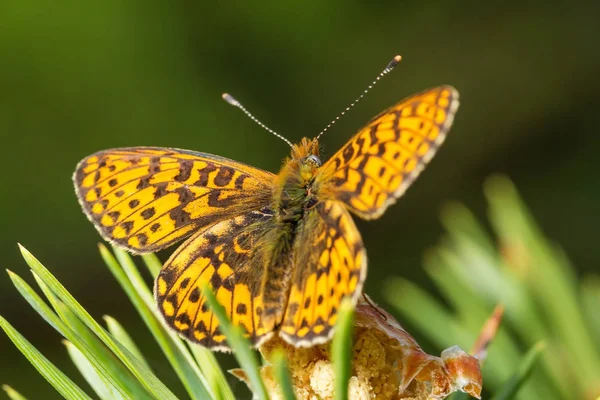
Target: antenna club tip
point(393, 63)
point(230, 99)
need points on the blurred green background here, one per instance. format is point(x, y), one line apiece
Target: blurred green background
point(78, 77)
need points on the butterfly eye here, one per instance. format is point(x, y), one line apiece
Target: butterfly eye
point(314, 160)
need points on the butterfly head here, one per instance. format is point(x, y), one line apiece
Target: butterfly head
point(306, 155)
point(313, 160)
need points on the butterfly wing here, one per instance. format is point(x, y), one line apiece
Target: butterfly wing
point(382, 160)
point(145, 199)
point(331, 264)
point(227, 258)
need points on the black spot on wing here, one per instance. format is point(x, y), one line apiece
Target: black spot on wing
point(114, 215)
point(127, 226)
point(142, 238)
point(185, 283)
point(241, 309)
point(180, 217)
point(224, 176)
point(185, 170)
point(204, 174)
point(216, 281)
point(161, 190)
point(184, 319)
point(239, 181)
point(201, 327)
point(154, 166)
point(215, 200)
point(185, 194)
point(143, 183)
point(148, 213)
point(348, 152)
point(195, 295)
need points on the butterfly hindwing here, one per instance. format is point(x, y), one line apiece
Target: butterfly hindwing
point(145, 199)
point(226, 258)
point(382, 160)
point(330, 264)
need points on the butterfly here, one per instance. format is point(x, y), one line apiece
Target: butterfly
point(280, 251)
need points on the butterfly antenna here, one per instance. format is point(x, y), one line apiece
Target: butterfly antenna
point(231, 100)
point(388, 68)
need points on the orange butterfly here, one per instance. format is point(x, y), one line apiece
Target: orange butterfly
point(279, 251)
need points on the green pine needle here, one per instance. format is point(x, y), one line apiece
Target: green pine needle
point(56, 377)
point(511, 387)
point(341, 349)
point(282, 374)
point(12, 393)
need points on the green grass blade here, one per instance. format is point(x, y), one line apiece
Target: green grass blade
point(139, 370)
point(104, 391)
point(590, 299)
point(240, 346)
point(133, 275)
point(35, 301)
point(471, 311)
point(461, 297)
point(341, 349)
point(12, 393)
point(552, 281)
point(282, 375)
point(153, 264)
point(54, 320)
point(461, 223)
point(427, 314)
point(117, 330)
point(511, 387)
point(459, 396)
point(99, 352)
point(212, 371)
point(178, 355)
point(62, 383)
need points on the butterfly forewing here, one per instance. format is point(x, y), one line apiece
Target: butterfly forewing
point(145, 199)
point(382, 160)
point(331, 264)
point(225, 257)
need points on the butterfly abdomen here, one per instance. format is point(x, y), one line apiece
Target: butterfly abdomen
point(277, 272)
point(291, 196)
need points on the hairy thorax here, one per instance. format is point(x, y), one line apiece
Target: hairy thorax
point(296, 188)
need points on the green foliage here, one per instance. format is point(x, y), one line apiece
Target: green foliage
point(528, 275)
point(12, 393)
point(511, 387)
point(178, 355)
point(532, 278)
point(282, 374)
point(341, 349)
point(57, 378)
